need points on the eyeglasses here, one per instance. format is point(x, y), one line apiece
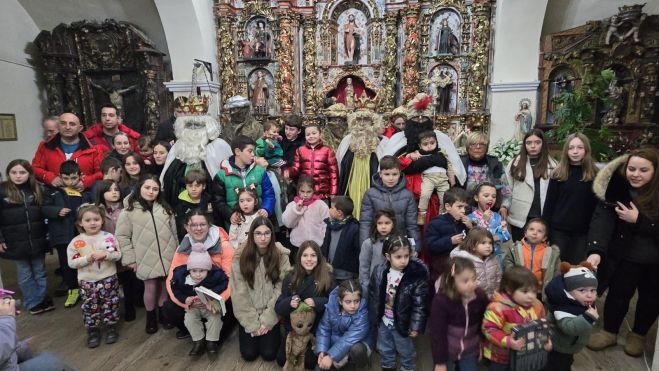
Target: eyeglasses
point(476, 145)
point(262, 234)
point(198, 226)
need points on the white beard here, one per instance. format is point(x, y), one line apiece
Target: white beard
point(192, 142)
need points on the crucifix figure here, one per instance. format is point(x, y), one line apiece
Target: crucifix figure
point(115, 95)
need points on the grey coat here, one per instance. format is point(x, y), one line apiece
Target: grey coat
point(399, 199)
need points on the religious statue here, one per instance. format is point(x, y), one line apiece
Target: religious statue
point(444, 85)
point(524, 120)
point(349, 94)
point(241, 121)
point(335, 127)
point(631, 19)
point(261, 44)
point(246, 48)
point(617, 98)
point(115, 95)
point(351, 41)
point(260, 94)
point(447, 43)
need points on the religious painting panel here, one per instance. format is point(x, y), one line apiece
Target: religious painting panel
point(257, 41)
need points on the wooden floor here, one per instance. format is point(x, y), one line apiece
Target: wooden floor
point(61, 332)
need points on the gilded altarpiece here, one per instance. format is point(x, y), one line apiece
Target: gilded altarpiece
point(311, 55)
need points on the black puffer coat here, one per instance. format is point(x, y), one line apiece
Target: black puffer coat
point(612, 238)
point(22, 226)
point(410, 307)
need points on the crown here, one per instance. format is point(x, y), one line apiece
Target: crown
point(193, 104)
point(365, 103)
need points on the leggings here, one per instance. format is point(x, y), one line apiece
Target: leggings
point(265, 346)
point(154, 293)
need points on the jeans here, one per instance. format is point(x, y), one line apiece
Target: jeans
point(44, 362)
point(391, 342)
point(31, 275)
point(468, 363)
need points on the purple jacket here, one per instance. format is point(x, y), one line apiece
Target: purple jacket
point(455, 329)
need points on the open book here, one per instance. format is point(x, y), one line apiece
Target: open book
point(209, 297)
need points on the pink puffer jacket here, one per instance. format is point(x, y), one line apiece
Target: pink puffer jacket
point(488, 271)
point(318, 162)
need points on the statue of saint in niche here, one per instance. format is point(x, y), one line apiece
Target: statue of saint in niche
point(351, 41)
point(444, 84)
point(447, 43)
point(524, 119)
point(262, 45)
point(349, 94)
point(260, 93)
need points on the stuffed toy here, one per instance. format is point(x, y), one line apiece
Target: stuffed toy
point(302, 320)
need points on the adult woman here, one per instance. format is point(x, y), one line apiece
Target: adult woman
point(528, 176)
point(482, 167)
point(623, 242)
point(200, 229)
point(309, 282)
point(257, 272)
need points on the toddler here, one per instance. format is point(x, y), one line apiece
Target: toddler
point(485, 198)
point(268, 145)
point(246, 207)
point(477, 247)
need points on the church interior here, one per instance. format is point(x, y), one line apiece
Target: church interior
point(502, 67)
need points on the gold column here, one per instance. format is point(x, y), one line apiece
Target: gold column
point(387, 94)
point(225, 56)
point(479, 60)
point(285, 75)
point(309, 65)
point(411, 59)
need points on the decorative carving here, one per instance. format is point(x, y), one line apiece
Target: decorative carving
point(480, 51)
point(386, 98)
point(225, 58)
point(309, 53)
point(285, 55)
point(411, 52)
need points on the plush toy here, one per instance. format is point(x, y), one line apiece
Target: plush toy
point(302, 320)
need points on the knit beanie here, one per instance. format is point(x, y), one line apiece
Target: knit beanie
point(578, 276)
point(199, 258)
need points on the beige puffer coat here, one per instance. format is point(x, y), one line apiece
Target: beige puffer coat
point(256, 307)
point(151, 248)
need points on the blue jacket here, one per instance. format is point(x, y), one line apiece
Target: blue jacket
point(439, 232)
point(338, 332)
point(348, 248)
point(216, 281)
point(61, 230)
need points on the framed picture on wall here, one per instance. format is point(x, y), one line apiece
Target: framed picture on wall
point(8, 127)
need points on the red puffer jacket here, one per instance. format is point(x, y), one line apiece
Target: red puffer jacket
point(95, 136)
point(320, 163)
point(49, 157)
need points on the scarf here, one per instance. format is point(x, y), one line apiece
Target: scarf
point(335, 225)
point(308, 202)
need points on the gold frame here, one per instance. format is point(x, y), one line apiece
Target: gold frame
point(8, 127)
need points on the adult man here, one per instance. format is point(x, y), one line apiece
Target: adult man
point(102, 133)
point(166, 128)
point(68, 144)
point(241, 122)
point(50, 125)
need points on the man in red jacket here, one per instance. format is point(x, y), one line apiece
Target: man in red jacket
point(68, 144)
point(101, 134)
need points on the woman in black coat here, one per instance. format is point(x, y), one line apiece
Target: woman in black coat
point(623, 242)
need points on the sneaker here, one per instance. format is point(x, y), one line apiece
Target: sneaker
point(72, 299)
point(48, 304)
point(38, 309)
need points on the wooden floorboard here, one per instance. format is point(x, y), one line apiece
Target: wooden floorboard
point(61, 332)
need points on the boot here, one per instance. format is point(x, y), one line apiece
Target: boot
point(635, 344)
point(129, 312)
point(93, 337)
point(151, 321)
point(197, 348)
point(421, 218)
point(212, 347)
point(111, 334)
point(162, 320)
point(602, 339)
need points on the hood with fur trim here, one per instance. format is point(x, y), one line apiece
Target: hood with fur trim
point(610, 176)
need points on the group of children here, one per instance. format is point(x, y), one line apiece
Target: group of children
point(383, 289)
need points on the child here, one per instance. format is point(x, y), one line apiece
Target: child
point(456, 315)
point(145, 146)
point(248, 203)
point(146, 232)
point(371, 255)
point(535, 253)
point(318, 161)
point(111, 169)
point(477, 247)
point(160, 152)
point(446, 231)
point(341, 246)
point(341, 337)
point(572, 313)
point(133, 168)
point(268, 145)
point(93, 253)
point(528, 176)
point(62, 228)
point(240, 171)
point(436, 172)
point(291, 140)
point(306, 215)
point(310, 282)
point(515, 303)
point(570, 199)
point(23, 233)
point(200, 271)
point(194, 196)
point(388, 192)
point(485, 198)
point(397, 298)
